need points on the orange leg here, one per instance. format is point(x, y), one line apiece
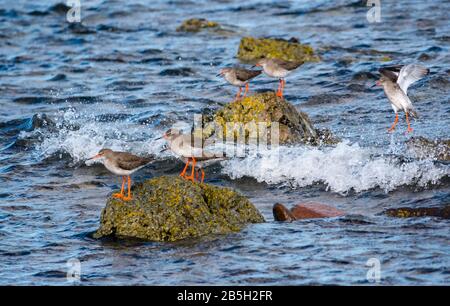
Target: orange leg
point(395, 123)
point(279, 93)
point(238, 95)
point(185, 168)
point(407, 121)
point(203, 175)
point(282, 83)
point(192, 177)
point(128, 198)
point(246, 90)
point(120, 195)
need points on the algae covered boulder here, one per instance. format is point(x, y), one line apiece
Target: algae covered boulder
point(422, 147)
point(409, 212)
point(197, 24)
point(252, 49)
point(170, 208)
point(293, 126)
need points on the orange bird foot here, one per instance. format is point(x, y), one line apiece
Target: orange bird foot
point(390, 130)
point(127, 198)
point(409, 130)
point(189, 178)
point(118, 195)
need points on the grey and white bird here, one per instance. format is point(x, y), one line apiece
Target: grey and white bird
point(122, 164)
point(239, 77)
point(395, 81)
point(277, 68)
point(191, 148)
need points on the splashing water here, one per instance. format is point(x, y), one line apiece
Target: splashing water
point(343, 168)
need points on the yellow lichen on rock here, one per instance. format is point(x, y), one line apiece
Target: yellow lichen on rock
point(251, 49)
point(196, 24)
point(242, 115)
point(171, 208)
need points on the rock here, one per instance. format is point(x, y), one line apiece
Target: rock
point(408, 212)
point(196, 25)
point(424, 148)
point(305, 211)
point(170, 208)
point(294, 126)
point(252, 49)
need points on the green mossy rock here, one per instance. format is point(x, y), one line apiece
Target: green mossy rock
point(425, 148)
point(252, 49)
point(196, 25)
point(170, 208)
point(408, 212)
point(294, 126)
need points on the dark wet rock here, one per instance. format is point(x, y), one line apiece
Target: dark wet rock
point(170, 208)
point(252, 49)
point(409, 212)
point(424, 57)
point(196, 25)
point(294, 126)
point(424, 148)
point(305, 211)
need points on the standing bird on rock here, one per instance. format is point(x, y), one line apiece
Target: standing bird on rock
point(239, 77)
point(395, 81)
point(123, 164)
point(189, 148)
point(277, 68)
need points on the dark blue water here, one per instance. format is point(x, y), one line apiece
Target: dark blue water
point(125, 75)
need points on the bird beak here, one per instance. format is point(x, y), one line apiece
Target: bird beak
point(377, 83)
point(219, 74)
point(94, 157)
point(165, 148)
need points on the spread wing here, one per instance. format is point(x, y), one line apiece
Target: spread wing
point(410, 74)
point(129, 161)
point(246, 74)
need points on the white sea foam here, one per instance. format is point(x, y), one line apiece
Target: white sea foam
point(343, 168)
point(89, 136)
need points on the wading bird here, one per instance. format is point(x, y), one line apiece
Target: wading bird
point(123, 164)
point(395, 81)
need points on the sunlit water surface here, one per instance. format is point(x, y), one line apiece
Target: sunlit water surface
point(125, 75)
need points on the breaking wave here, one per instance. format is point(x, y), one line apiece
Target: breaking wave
point(342, 169)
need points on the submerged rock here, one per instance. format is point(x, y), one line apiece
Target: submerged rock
point(196, 25)
point(305, 211)
point(425, 148)
point(252, 49)
point(294, 126)
point(170, 208)
point(408, 212)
